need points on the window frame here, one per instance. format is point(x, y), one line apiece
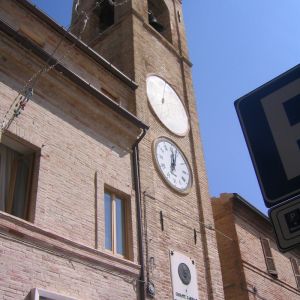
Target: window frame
point(37, 293)
point(265, 242)
point(21, 147)
point(126, 223)
point(296, 269)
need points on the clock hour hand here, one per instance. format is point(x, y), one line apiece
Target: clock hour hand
point(172, 161)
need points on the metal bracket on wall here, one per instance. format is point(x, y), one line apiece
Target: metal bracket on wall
point(161, 220)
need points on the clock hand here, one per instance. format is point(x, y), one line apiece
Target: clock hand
point(175, 159)
point(173, 174)
point(172, 160)
point(172, 153)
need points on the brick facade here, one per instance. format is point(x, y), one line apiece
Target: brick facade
point(82, 121)
point(245, 275)
point(153, 54)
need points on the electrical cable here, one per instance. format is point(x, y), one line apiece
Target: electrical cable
point(208, 226)
point(27, 89)
point(198, 231)
point(19, 105)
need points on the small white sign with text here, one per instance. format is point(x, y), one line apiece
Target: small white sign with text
point(184, 277)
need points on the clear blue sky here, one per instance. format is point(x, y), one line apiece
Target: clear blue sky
point(235, 47)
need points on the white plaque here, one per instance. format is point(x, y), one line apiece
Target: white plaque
point(184, 277)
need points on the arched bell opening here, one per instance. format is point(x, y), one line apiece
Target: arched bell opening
point(106, 14)
point(101, 16)
point(159, 18)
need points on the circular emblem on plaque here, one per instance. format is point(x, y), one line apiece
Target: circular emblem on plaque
point(184, 273)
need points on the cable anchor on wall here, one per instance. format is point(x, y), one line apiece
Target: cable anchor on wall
point(23, 101)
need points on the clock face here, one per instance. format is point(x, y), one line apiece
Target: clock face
point(172, 165)
point(167, 105)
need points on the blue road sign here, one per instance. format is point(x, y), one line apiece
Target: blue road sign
point(270, 120)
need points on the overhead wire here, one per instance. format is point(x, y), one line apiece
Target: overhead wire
point(27, 89)
point(206, 225)
point(26, 92)
point(24, 95)
point(150, 269)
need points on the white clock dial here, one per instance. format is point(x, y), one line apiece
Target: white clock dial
point(167, 105)
point(172, 165)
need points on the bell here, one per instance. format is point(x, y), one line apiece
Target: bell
point(154, 23)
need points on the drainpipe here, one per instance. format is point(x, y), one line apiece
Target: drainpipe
point(137, 187)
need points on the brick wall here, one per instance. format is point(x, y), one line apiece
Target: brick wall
point(245, 273)
point(82, 147)
point(77, 136)
point(162, 59)
point(34, 258)
point(153, 54)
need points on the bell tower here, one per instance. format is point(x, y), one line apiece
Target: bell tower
point(146, 40)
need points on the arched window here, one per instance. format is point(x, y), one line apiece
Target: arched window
point(159, 18)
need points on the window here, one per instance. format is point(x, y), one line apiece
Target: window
point(115, 210)
point(296, 268)
point(269, 257)
point(39, 294)
point(16, 168)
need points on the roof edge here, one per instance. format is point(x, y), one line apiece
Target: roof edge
point(39, 52)
point(82, 46)
point(249, 205)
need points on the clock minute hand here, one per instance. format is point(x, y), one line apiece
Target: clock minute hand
point(175, 158)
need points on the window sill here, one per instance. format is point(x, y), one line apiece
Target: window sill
point(110, 253)
point(274, 274)
point(20, 230)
